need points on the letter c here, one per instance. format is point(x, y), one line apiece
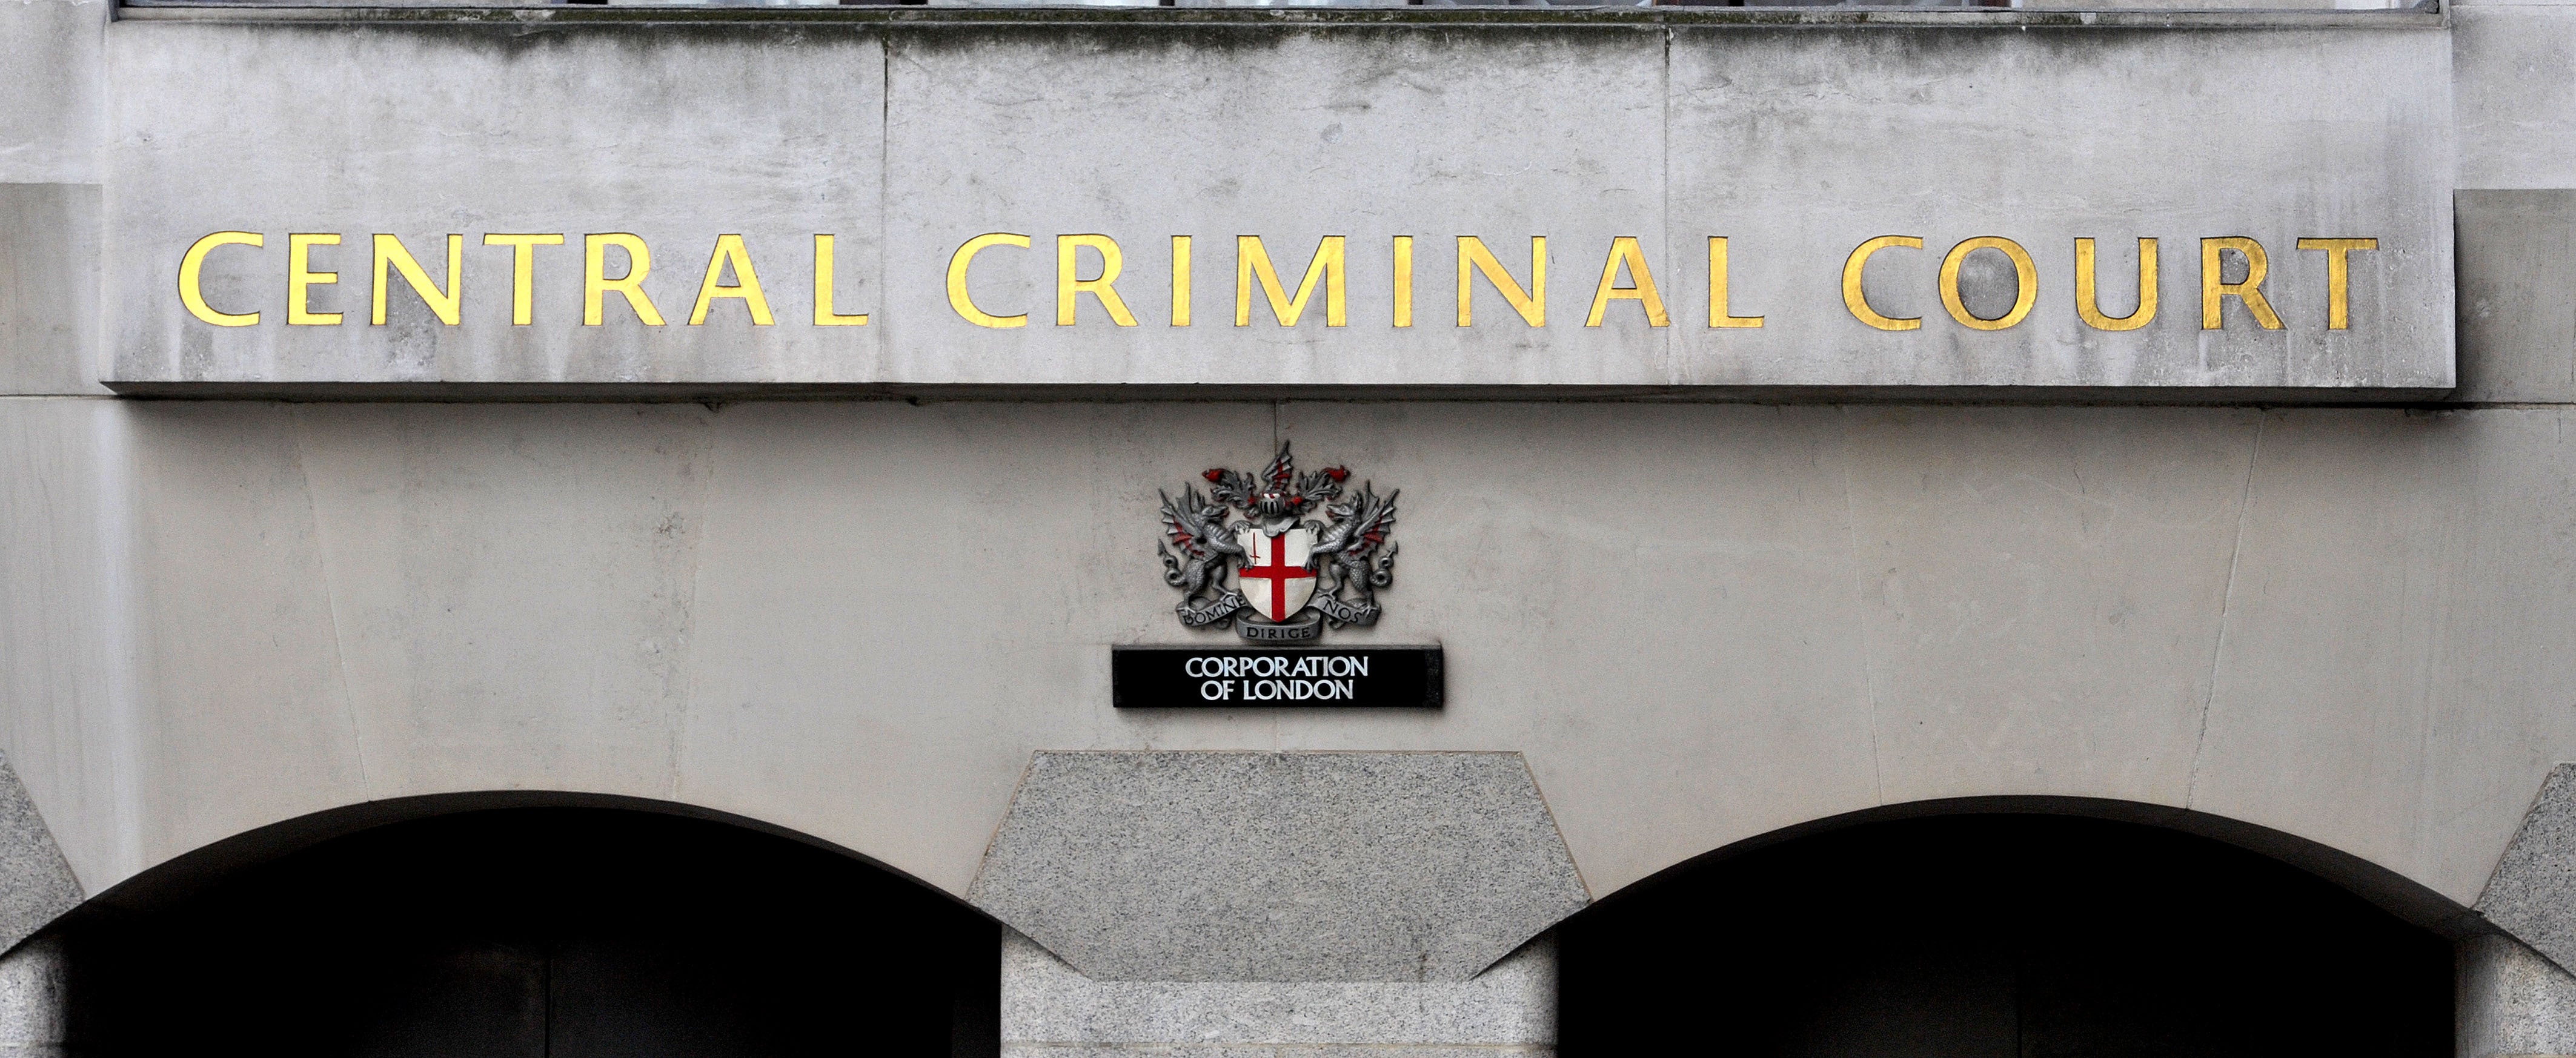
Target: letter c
point(193, 264)
point(1858, 303)
point(964, 259)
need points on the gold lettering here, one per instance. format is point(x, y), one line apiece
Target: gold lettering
point(2338, 276)
point(1068, 249)
point(2213, 292)
point(2025, 282)
point(523, 272)
point(1404, 281)
point(1857, 302)
point(1252, 262)
point(390, 253)
point(1180, 281)
point(1719, 315)
point(824, 288)
point(1625, 251)
point(2088, 301)
point(595, 284)
point(730, 250)
point(1473, 257)
point(301, 279)
point(964, 259)
point(192, 266)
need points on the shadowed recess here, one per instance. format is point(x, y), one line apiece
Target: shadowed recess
point(556, 932)
point(2001, 936)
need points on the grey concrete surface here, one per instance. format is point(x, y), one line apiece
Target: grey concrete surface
point(2511, 1002)
point(65, 612)
point(2514, 94)
point(51, 56)
point(2533, 893)
point(1699, 623)
point(2383, 595)
point(34, 989)
point(1198, 866)
point(2517, 253)
point(909, 141)
point(1050, 1010)
point(49, 275)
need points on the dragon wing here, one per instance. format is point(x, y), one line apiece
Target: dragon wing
point(1366, 527)
point(1372, 525)
point(1182, 525)
point(1282, 472)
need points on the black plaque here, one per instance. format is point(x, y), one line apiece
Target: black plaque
point(1236, 677)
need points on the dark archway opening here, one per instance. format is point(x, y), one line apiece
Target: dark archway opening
point(543, 933)
point(2000, 936)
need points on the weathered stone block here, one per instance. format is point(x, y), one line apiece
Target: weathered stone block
point(1802, 148)
point(2532, 894)
point(1145, 135)
point(1049, 1010)
point(2517, 252)
point(1626, 144)
point(36, 883)
point(773, 135)
point(51, 57)
point(2514, 98)
point(1191, 866)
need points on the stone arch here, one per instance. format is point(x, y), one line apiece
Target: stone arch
point(529, 923)
point(2399, 895)
point(2020, 928)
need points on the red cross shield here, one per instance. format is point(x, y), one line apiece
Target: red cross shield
point(1275, 577)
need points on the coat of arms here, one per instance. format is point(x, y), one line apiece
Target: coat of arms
point(1290, 574)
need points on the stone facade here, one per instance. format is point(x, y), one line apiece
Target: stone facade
point(907, 139)
point(2312, 582)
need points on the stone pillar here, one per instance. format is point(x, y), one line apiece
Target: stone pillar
point(2512, 1002)
point(1278, 905)
point(32, 998)
point(2513, 997)
point(1050, 1010)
